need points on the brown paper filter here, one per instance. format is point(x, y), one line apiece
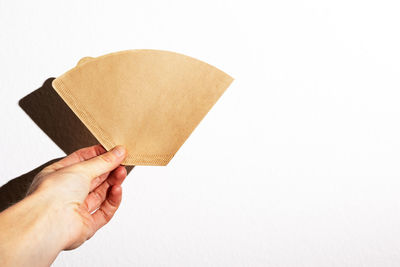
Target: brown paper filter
point(147, 100)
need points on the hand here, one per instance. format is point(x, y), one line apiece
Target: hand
point(66, 204)
point(80, 184)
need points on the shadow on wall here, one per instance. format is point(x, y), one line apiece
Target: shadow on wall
point(47, 109)
point(16, 189)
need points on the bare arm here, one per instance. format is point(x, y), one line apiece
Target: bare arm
point(67, 203)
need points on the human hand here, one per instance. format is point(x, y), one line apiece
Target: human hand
point(85, 189)
point(67, 202)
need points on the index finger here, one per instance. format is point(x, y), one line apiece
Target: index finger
point(78, 156)
point(101, 164)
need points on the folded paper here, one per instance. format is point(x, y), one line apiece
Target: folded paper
point(150, 101)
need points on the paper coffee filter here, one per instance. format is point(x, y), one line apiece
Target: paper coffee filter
point(150, 101)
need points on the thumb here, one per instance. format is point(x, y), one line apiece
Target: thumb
point(101, 164)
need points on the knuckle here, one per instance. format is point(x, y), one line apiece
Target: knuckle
point(107, 215)
point(107, 157)
point(49, 168)
point(96, 181)
point(114, 205)
point(97, 196)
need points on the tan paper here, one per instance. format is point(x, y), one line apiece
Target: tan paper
point(150, 101)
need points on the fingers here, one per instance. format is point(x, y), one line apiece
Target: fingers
point(99, 165)
point(76, 157)
point(96, 197)
point(119, 175)
point(107, 209)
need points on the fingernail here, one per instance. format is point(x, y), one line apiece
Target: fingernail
point(118, 151)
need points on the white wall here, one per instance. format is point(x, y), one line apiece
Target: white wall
point(298, 164)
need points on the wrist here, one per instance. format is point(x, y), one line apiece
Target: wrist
point(33, 232)
point(53, 218)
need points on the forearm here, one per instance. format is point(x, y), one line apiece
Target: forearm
point(31, 232)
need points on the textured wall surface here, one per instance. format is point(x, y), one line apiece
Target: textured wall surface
point(298, 164)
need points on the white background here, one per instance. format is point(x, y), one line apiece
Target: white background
point(298, 164)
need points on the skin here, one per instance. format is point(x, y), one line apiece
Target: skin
point(66, 204)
